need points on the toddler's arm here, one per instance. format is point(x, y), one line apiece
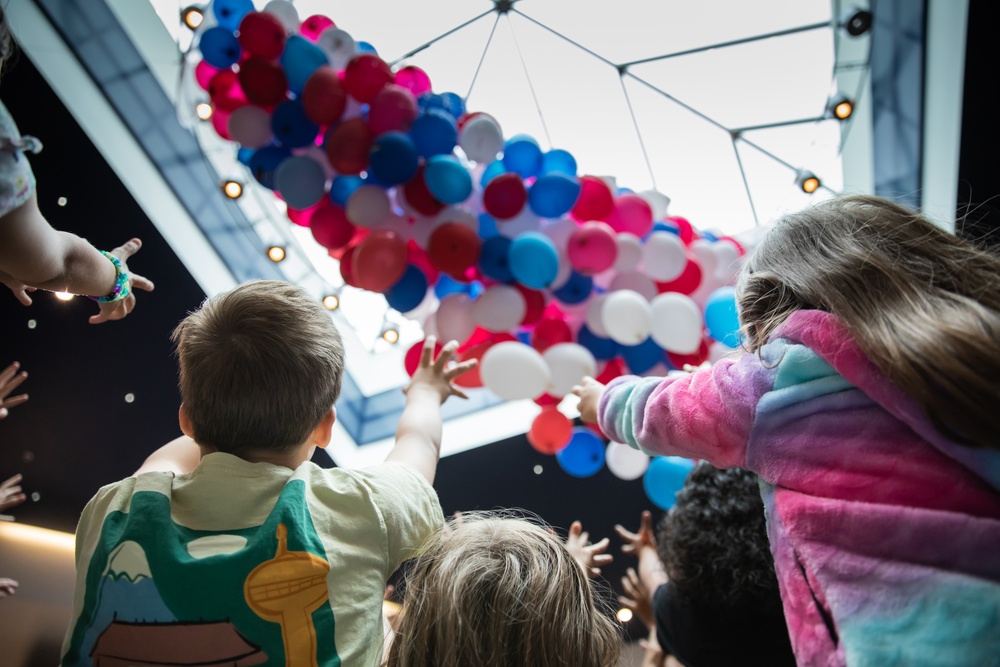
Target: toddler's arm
point(179, 456)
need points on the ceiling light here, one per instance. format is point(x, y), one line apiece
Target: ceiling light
point(233, 189)
point(841, 108)
point(331, 302)
point(807, 181)
point(390, 334)
point(276, 253)
point(193, 16)
point(203, 110)
point(857, 21)
point(624, 615)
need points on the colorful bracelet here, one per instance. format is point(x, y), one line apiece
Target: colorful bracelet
point(121, 288)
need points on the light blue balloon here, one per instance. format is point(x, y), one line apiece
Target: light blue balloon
point(522, 156)
point(664, 477)
point(584, 455)
point(493, 169)
point(447, 179)
point(558, 161)
point(342, 187)
point(534, 260)
point(721, 318)
point(299, 60)
point(553, 195)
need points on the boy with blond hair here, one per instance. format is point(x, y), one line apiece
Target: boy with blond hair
point(228, 545)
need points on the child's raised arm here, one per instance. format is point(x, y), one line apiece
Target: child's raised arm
point(418, 436)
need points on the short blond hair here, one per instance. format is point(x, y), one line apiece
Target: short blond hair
point(498, 591)
point(260, 366)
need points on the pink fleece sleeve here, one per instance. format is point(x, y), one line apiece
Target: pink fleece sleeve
point(704, 415)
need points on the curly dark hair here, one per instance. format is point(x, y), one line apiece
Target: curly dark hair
point(714, 540)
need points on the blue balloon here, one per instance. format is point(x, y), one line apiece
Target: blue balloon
point(534, 260)
point(365, 47)
point(292, 127)
point(229, 13)
point(264, 163)
point(445, 286)
point(219, 47)
point(603, 349)
point(393, 158)
point(434, 133)
point(576, 290)
point(408, 291)
point(709, 236)
point(299, 60)
point(494, 259)
point(487, 226)
point(721, 319)
point(553, 195)
point(453, 104)
point(522, 156)
point(244, 155)
point(640, 358)
point(664, 477)
point(493, 169)
point(558, 161)
point(447, 179)
point(343, 187)
point(664, 227)
point(584, 455)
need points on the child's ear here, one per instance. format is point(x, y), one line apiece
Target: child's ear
point(324, 431)
point(185, 422)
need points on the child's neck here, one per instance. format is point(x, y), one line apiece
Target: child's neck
point(291, 459)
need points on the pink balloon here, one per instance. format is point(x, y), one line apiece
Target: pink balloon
point(592, 248)
point(393, 108)
point(314, 25)
point(203, 73)
point(414, 80)
point(632, 214)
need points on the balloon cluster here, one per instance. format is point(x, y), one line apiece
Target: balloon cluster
point(544, 275)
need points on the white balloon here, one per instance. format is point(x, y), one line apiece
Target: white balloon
point(250, 127)
point(499, 308)
point(564, 273)
point(677, 323)
point(568, 363)
point(595, 316)
point(459, 215)
point(560, 231)
point(657, 201)
point(300, 182)
point(635, 281)
point(454, 318)
point(286, 13)
point(430, 324)
point(513, 371)
point(338, 45)
point(421, 230)
point(368, 206)
point(624, 462)
point(525, 221)
point(481, 138)
point(701, 250)
point(629, 252)
point(627, 317)
point(727, 260)
point(663, 256)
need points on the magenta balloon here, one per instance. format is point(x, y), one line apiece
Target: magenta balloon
point(592, 248)
point(393, 108)
point(632, 214)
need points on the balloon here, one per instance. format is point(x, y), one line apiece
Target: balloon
point(342, 187)
point(347, 266)
point(602, 348)
point(514, 371)
point(727, 259)
point(663, 256)
point(291, 125)
point(338, 46)
point(677, 325)
point(550, 430)
point(522, 156)
point(453, 104)
point(250, 126)
point(629, 252)
point(454, 317)
point(203, 73)
point(492, 170)
point(584, 455)
point(447, 179)
point(220, 123)
point(229, 13)
point(453, 248)
point(368, 206)
point(300, 181)
point(219, 47)
point(664, 477)
point(658, 202)
point(494, 259)
point(560, 231)
point(553, 195)
point(686, 283)
point(408, 291)
point(435, 133)
point(313, 26)
point(411, 361)
point(595, 201)
point(416, 196)
point(558, 161)
point(263, 81)
point(642, 357)
point(262, 34)
point(535, 305)
point(550, 331)
point(592, 248)
point(504, 196)
point(365, 75)
point(635, 281)
point(499, 308)
point(721, 318)
point(286, 13)
point(575, 290)
point(627, 317)
point(365, 47)
point(392, 108)
point(413, 79)
point(331, 228)
point(569, 363)
point(696, 359)
point(632, 214)
point(299, 60)
point(613, 369)
point(379, 261)
point(624, 462)
point(481, 138)
point(225, 91)
point(393, 158)
point(594, 317)
point(347, 146)
point(323, 96)
point(534, 260)
point(265, 161)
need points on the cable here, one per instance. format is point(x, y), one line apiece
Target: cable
point(638, 133)
point(746, 184)
point(420, 48)
point(481, 59)
point(524, 66)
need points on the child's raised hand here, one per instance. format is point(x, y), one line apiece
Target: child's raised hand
point(435, 374)
point(116, 310)
point(10, 379)
point(589, 390)
point(589, 556)
point(644, 537)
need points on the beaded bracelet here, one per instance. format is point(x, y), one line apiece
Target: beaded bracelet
point(121, 288)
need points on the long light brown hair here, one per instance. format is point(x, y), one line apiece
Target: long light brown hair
point(922, 304)
point(501, 592)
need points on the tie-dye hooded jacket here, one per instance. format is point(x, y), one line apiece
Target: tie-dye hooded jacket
point(885, 535)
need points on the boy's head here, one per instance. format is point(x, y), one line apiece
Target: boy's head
point(260, 367)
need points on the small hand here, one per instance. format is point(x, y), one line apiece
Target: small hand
point(10, 380)
point(652, 654)
point(119, 309)
point(7, 587)
point(637, 598)
point(10, 496)
point(590, 556)
point(589, 391)
point(645, 537)
point(435, 374)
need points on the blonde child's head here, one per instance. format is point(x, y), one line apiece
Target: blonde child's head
point(496, 592)
point(921, 303)
point(260, 366)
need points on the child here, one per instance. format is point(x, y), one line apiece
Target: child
point(868, 407)
point(229, 546)
point(501, 592)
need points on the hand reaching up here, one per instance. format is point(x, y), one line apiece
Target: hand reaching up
point(116, 310)
point(635, 542)
point(591, 557)
point(637, 598)
point(10, 496)
point(7, 587)
point(435, 374)
point(589, 390)
point(10, 380)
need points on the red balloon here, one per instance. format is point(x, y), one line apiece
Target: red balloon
point(504, 197)
point(314, 25)
point(596, 202)
point(225, 91)
point(347, 146)
point(263, 81)
point(686, 283)
point(592, 248)
point(302, 217)
point(685, 229)
point(453, 248)
point(419, 198)
point(545, 400)
point(323, 96)
point(365, 75)
point(613, 369)
point(596, 428)
point(550, 331)
point(220, 121)
point(550, 431)
point(379, 261)
point(739, 246)
point(632, 214)
point(412, 359)
point(414, 80)
point(203, 73)
point(330, 227)
point(347, 267)
point(534, 302)
point(393, 108)
point(262, 34)
point(696, 359)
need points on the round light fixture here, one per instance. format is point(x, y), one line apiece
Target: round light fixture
point(331, 302)
point(807, 181)
point(203, 110)
point(841, 108)
point(276, 253)
point(193, 17)
point(232, 189)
